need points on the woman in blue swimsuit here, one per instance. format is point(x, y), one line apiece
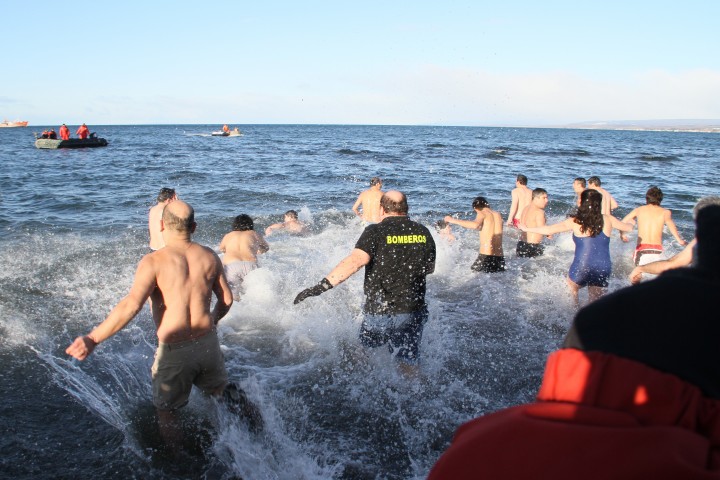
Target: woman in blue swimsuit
point(591, 234)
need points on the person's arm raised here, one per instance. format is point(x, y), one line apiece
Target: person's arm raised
point(564, 226)
point(469, 224)
point(121, 315)
point(622, 226)
point(344, 270)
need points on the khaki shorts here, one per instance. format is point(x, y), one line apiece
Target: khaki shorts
point(179, 366)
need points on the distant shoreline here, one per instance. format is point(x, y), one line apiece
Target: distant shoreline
point(712, 126)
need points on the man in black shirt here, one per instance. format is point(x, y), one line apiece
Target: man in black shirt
point(397, 254)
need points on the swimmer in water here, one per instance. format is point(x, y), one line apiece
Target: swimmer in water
point(290, 224)
point(490, 258)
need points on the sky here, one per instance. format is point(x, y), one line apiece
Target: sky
point(475, 63)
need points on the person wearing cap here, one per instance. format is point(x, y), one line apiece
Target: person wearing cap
point(634, 392)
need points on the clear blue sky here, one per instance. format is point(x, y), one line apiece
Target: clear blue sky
point(373, 62)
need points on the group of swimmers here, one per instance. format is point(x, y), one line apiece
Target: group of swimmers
point(591, 223)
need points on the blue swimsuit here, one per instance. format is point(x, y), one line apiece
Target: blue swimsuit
point(591, 266)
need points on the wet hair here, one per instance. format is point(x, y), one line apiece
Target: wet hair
point(705, 202)
point(440, 224)
point(581, 181)
point(538, 191)
point(173, 222)
point(589, 213)
point(292, 214)
point(480, 203)
point(707, 232)
point(391, 206)
point(521, 179)
point(594, 181)
point(375, 181)
point(242, 223)
point(165, 194)
point(654, 196)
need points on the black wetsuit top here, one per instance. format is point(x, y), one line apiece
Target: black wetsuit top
point(402, 253)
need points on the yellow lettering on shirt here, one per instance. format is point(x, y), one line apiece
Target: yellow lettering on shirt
point(392, 239)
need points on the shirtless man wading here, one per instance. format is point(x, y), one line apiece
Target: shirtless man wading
point(608, 202)
point(530, 244)
point(180, 279)
point(241, 248)
point(490, 224)
point(521, 197)
point(165, 196)
point(369, 202)
point(651, 218)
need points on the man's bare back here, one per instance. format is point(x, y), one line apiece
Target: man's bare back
point(243, 246)
point(154, 217)
point(521, 197)
point(186, 275)
point(179, 279)
point(369, 202)
point(166, 196)
point(650, 222)
point(490, 232)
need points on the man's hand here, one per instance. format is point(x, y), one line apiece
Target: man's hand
point(81, 347)
point(321, 287)
point(636, 275)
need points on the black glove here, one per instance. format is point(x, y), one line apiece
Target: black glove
point(321, 287)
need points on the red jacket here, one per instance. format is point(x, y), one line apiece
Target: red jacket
point(597, 416)
point(64, 132)
point(82, 132)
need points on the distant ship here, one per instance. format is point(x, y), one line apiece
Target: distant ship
point(6, 124)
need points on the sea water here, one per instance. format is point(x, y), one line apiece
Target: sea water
point(74, 226)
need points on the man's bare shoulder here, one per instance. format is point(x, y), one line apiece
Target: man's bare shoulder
point(652, 211)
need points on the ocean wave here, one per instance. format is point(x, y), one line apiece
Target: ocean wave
point(573, 152)
point(349, 151)
point(658, 158)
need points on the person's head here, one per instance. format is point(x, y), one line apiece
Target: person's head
point(653, 196)
point(376, 181)
point(705, 202)
point(594, 182)
point(707, 232)
point(166, 194)
point(243, 222)
point(521, 180)
point(579, 184)
point(589, 214)
point(540, 197)
point(179, 217)
point(394, 203)
point(479, 203)
point(291, 215)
